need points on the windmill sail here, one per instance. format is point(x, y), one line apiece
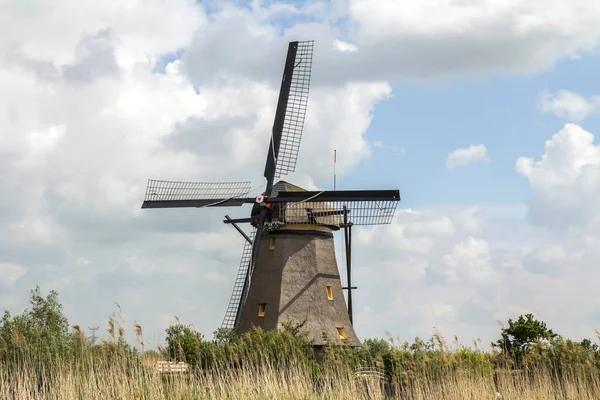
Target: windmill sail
point(169, 194)
point(291, 111)
point(366, 207)
point(296, 111)
point(231, 315)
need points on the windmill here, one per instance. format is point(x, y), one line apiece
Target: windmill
point(288, 271)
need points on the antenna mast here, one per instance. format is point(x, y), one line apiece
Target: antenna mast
point(334, 161)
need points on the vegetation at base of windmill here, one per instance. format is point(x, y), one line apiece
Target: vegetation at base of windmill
point(224, 335)
point(257, 347)
point(283, 349)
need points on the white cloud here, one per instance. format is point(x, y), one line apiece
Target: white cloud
point(462, 157)
point(393, 42)
point(82, 261)
point(441, 310)
point(440, 227)
point(472, 258)
point(11, 272)
point(427, 245)
point(569, 105)
point(547, 259)
point(566, 180)
point(344, 47)
point(44, 141)
point(217, 278)
point(35, 228)
point(144, 30)
point(527, 34)
point(464, 282)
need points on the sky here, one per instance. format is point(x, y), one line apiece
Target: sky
point(482, 114)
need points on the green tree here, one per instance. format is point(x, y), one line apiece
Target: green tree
point(224, 335)
point(46, 315)
point(42, 327)
point(183, 343)
point(377, 347)
point(517, 338)
point(588, 345)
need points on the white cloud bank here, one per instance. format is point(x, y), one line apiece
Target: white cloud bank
point(86, 118)
point(396, 40)
point(484, 267)
point(565, 181)
point(466, 156)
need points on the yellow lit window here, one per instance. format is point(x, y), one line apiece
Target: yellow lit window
point(261, 309)
point(341, 333)
point(272, 244)
point(329, 293)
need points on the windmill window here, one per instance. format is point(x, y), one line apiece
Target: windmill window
point(272, 244)
point(261, 309)
point(342, 333)
point(329, 293)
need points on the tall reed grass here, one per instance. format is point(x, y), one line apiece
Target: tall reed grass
point(280, 365)
point(41, 358)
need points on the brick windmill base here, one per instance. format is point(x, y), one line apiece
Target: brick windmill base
point(296, 279)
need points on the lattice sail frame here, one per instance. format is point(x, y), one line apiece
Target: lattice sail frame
point(238, 287)
point(295, 112)
point(380, 212)
point(158, 190)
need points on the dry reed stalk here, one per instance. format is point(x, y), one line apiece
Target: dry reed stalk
point(118, 376)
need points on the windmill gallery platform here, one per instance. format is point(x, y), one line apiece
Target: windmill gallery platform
point(288, 272)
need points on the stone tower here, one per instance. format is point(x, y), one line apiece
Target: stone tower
point(296, 279)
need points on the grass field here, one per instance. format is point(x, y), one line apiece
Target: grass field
point(42, 357)
point(127, 379)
